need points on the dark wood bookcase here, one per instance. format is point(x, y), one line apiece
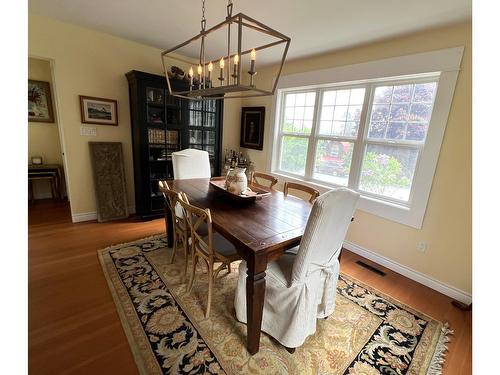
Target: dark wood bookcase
point(162, 124)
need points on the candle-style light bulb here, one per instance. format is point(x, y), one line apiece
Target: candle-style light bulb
point(221, 65)
point(235, 67)
point(191, 74)
point(210, 68)
point(200, 69)
point(252, 72)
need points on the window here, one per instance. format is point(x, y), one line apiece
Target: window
point(379, 136)
point(368, 137)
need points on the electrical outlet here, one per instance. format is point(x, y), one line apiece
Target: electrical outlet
point(421, 246)
point(88, 131)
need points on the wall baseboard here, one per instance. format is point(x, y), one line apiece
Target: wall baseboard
point(89, 216)
point(417, 276)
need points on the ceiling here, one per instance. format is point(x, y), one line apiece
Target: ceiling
point(315, 26)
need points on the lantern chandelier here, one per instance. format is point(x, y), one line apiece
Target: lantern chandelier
point(224, 76)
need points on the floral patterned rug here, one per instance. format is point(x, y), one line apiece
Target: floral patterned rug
point(369, 333)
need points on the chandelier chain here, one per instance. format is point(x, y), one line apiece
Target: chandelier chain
point(203, 19)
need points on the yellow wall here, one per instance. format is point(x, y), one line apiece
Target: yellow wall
point(87, 62)
point(43, 137)
point(447, 226)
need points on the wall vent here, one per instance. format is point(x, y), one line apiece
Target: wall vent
point(371, 268)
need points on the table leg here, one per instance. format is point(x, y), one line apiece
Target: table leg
point(256, 290)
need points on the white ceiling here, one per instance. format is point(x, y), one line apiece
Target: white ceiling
point(315, 26)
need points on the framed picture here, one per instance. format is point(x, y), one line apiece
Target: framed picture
point(39, 102)
point(98, 110)
point(252, 127)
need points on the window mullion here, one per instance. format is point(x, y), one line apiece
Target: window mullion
point(311, 146)
point(359, 143)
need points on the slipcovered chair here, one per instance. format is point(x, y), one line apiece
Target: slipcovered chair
point(301, 287)
point(191, 163)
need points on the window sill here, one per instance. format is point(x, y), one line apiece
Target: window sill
point(405, 215)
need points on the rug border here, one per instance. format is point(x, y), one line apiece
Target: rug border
point(193, 321)
point(132, 341)
point(435, 360)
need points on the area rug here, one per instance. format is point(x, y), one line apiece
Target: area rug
point(369, 333)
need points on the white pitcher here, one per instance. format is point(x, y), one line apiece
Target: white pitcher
point(236, 181)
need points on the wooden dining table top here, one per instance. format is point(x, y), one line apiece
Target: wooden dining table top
point(272, 222)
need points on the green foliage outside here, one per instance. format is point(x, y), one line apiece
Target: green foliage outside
point(294, 154)
point(382, 171)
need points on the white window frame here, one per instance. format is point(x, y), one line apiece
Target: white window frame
point(444, 64)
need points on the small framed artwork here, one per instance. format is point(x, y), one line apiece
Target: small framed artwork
point(99, 111)
point(252, 127)
point(39, 102)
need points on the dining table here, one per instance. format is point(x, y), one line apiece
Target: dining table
point(261, 231)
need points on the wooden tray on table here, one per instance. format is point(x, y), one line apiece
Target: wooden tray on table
point(252, 194)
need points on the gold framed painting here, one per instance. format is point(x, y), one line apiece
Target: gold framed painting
point(39, 102)
point(98, 111)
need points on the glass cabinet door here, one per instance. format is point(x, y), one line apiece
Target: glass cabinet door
point(202, 126)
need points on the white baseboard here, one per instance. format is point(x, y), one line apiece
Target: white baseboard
point(89, 216)
point(417, 276)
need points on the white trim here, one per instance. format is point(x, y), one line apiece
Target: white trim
point(90, 216)
point(444, 62)
point(434, 61)
point(410, 273)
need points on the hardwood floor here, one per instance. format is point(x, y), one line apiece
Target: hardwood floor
point(73, 327)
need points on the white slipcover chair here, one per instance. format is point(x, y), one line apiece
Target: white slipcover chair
point(191, 163)
point(301, 285)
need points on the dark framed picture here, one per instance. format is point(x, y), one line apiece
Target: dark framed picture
point(39, 102)
point(99, 111)
point(252, 127)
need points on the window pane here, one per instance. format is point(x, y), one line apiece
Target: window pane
point(357, 96)
point(405, 114)
point(388, 171)
point(402, 94)
point(299, 112)
point(377, 130)
point(327, 113)
point(293, 154)
point(383, 94)
point(342, 108)
point(310, 99)
point(333, 161)
point(289, 100)
point(424, 92)
point(329, 97)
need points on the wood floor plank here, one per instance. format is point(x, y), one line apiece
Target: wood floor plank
point(73, 326)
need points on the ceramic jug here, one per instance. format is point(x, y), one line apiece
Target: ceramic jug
point(236, 181)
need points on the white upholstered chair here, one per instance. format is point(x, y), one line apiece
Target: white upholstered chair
point(301, 286)
point(191, 163)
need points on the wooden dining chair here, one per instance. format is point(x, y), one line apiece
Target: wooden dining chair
point(271, 180)
point(211, 247)
point(180, 225)
point(313, 193)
